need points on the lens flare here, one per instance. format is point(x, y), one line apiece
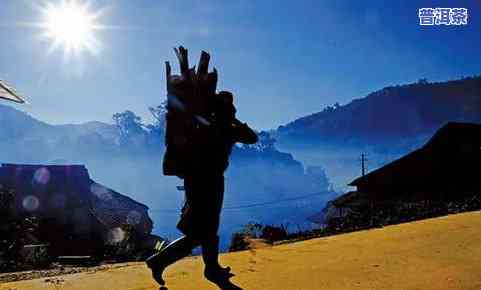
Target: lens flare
point(41, 176)
point(115, 235)
point(30, 203)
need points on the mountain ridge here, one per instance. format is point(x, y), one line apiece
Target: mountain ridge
point(405, 111)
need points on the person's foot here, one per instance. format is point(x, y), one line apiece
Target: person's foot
point(217, 273)
point(157, 273)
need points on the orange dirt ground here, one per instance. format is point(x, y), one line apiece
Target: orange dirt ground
point(440, 253)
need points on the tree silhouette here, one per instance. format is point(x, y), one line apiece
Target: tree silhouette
point(131, 129)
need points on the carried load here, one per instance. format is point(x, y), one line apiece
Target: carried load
point(190, 99)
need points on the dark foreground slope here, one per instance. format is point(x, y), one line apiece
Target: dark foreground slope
point(441, 253)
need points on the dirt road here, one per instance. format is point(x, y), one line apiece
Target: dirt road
point(441, 253)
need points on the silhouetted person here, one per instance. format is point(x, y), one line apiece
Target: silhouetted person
point(204, 190)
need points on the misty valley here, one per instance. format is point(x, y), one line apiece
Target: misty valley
point(284, 179)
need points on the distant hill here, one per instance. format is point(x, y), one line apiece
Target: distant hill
point(402, 111)
point(17, 124)
point(107, 131)
point(24, 139)
point(23, 126)
point(384, 125)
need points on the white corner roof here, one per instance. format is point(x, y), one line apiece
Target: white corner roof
point(9, 93)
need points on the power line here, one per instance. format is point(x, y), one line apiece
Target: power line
point(270, 202)
point(248, 205)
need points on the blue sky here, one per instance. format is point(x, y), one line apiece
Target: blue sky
point(282, 59)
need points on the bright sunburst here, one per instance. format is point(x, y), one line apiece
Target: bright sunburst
point(71, 25)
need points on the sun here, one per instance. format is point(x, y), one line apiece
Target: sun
point(71, 25)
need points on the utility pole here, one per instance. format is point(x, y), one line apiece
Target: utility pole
point(363, 163)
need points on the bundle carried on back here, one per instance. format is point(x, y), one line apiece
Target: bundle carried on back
point(190, 97)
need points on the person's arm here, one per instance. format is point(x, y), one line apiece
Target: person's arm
point(243, 133)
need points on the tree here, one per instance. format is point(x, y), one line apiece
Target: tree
point(156, 131)
point(266, 142)
point(159, 113)
point(131, 129)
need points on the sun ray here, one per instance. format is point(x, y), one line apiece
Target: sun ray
point(72, 25)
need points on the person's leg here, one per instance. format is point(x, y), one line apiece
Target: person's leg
point(210, 243)
point(175, 251)
point(210, 254)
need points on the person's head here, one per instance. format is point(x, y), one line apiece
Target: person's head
point(224, 106)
